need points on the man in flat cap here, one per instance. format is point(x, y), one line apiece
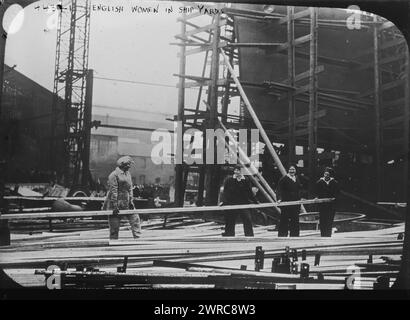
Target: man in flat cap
point(120, 197)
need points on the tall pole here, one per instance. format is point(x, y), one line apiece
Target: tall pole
point(85, 175)
point(377, 111)
point(2, 53)
point(313, 83)
point(406, 119)
point(179, 192)
point(291, 79)
point(212, 170)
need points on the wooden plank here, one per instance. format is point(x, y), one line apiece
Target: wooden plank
point(203, 48)
point(45, 209)
point(161, 210)
point(302, 40)
point(302, 89)
point(295, 16)
point(384, 87)
point(254, 45)
point(102, 199)
point(206, 28)
point(191, 77)
point(291, 80)
point(396, 214)
point(304, 75)
point(297, 42)
point(377, 94)
point(219, 82)
point(313, 97)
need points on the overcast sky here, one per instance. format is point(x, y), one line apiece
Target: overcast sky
point(128, 46)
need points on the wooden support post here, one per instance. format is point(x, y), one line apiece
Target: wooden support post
point(406, 119)
point(202, 171)
point(201, 181)
point(85, 174)
point(4, 154)
point(291, 81)
point(377, 110)
point(226, 98)
point(198, 100)
point(3, 37)
point(179, 192)
point(212, 171)
point(313, 84)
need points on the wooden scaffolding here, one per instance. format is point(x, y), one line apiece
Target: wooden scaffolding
point(391, 114)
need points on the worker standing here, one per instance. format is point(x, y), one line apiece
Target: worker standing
point(120, 197)
point(289, 188)
point(327, 187)
point(237, 190)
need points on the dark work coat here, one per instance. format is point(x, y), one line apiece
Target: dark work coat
point(327, 190)
point(288, 190)
point(237, 192)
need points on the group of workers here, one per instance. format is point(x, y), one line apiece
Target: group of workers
point(237, 190)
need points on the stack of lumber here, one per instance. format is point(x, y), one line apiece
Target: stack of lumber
point(192, 253)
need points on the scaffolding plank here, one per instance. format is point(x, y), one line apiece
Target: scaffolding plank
point(295, 16)
point(207, 28)
point(304, 75)
point(301, 89)
point(199, 83)
point(203, 48)
point(383, 87)
point(297, 42)
point(255, 44)
point(191, 77)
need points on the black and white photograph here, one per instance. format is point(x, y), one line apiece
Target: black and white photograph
point(165, 146)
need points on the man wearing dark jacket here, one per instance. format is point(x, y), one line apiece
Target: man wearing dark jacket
point(289, 188)
point(327, 187)
point(237, 190)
